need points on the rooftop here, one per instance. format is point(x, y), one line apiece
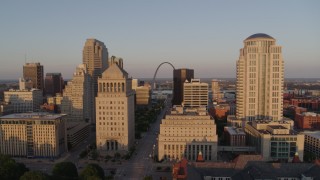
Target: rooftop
point(33, 115)
point(277, 127)
point(315, 134)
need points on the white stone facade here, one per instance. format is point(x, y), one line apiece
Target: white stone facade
point(115, 110)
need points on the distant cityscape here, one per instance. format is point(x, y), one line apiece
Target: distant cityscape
point(104, 124)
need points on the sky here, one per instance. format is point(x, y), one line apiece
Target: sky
point(202, 35)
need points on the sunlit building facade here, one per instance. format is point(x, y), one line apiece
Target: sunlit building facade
point(39, 135)
point(195, 94)
point(24, 100)
point(115, 110)
point(186, 133)
point(77, 97)
point(260, 76)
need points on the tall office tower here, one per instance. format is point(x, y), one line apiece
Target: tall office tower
point(216, 94)
point(34, 72)
point(195, 94)
point(115, 110)
point(53, 84)
point(260, 78)
point(179, 77)
point(95, 56)
point(77, 97)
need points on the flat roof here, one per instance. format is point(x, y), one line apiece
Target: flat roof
point(235, 131)
point(33, 116)
point(315, 134)
point(277, 127)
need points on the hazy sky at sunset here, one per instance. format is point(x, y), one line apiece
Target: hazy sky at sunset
point(203, 35)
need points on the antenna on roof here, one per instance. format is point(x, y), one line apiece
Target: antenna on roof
point(25, 58)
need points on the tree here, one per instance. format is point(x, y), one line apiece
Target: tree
point(83, 154)
point(34, 175)
point(117, 155)
point(65, 171)
point(9, 169)
point(92, 171)
point(94, 154)
point(147, 178)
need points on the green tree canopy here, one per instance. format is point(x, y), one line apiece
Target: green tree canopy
point(9, 169)
point(34, 175)
point(65, 171)
point(92, 172)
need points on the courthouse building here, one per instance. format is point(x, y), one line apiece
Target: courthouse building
point(186, 133)
point(39, 135)
point(115, 110)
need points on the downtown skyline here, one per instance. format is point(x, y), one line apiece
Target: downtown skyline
point(146, 33)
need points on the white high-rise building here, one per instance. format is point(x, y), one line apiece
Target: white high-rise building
point(260, 71)
point(115, 110)
point(77, 97)
point(195, 93)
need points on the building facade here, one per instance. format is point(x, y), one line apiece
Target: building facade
point(186, 133)
point(39, 135)
point(34, 72)
point(235, 136)
point(275, 140)
point(308, 120)
point(115, 122)
point(25, 84)
point(24, 100)
point(312, 142)
point(77, 97)
point(179, 77)
point(195, 94)
point(260, 76)
point(216, 92)
point(53, 84)
point(95, 57)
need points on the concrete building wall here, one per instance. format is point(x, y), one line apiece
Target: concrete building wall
point(33, 135)
point(185, 134)
point(195, 94)
point(24, 100)
point(77, 97)
point(115, 111)
point(273, 144)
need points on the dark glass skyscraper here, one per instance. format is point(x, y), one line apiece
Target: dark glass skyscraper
point(34, 72)
point(179, 77)
point(53, 84)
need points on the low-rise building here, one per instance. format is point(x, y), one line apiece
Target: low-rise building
point(235, 136)
point(275, 140)
point(312, 142)
point(308, 120)
point(185, 133)
point(77, 133)
point(5, 108)
point(39, 135)
point(24, 100)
